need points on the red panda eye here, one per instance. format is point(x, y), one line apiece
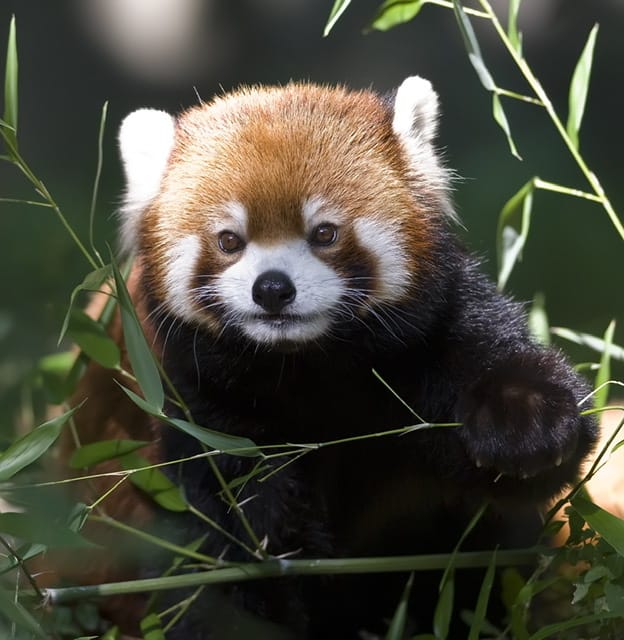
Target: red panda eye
point(229, 242)
point(324, 234)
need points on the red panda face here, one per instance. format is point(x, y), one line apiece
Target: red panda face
point(283, 212)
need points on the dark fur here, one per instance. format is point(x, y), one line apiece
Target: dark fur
point(455, 351)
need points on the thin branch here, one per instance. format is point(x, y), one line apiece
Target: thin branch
point(539, 91)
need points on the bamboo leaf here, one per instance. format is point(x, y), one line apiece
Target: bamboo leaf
point(17, 614)
point(472, 46)
point(476, 58)
point(604, 372)
point(579, 87)
point(606, 524)
point(154, 483)
point(587, 340)
point(140, 355)
point(478, 619)
point(394, 12)
point(482, 71)
point(214, 439)
point(235, 445)
point(32, 446)
point(92, 282)
point(513, 230)
point(92, 454)
point(40, 530)
point(151, 628)
point(10, 86)
point(444, 609)
point(143, 404)
point(340, 6)
point(503, 123)
point(24, 552)
point(538, 320)
point(55, 373)
point(93, 340)
point(96, 180)
point(515, 37)
point(396, 631)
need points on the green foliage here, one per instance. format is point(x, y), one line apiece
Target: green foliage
point(140, 355)
point(154, 483)
point(513, 230)
point(476, 58)
point(398, 625)
point(18, 615)
point(92, 454)
point(592, 595)
point(93, 340)
point(36, 529)
point(9, 123)
point(338, 8)
point(214, 439)
point(444, 609)
point(479, 622)
point(32, 446)
point(610, 528)
point(151, 628)
point(579, 88)
point(394, 12)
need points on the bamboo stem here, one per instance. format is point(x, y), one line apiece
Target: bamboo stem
point(284, 567)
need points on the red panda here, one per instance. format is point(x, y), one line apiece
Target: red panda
point(292, 246)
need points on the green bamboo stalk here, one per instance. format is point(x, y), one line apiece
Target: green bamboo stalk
point(32, 203)
point(568, 191)
point(96, 181)
point(283, 567)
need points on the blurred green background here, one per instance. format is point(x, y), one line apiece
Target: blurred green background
point(76, 54)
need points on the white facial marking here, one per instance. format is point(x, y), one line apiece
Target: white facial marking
point(182, 260)
point(315, 210)
point(233, 217)
point(383, 241)
point(146, 138)
point(319, 289)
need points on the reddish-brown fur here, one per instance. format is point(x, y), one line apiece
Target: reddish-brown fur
point(233, 150)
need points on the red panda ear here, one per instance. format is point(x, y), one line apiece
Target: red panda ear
point(415, 122)
point(146, 138)
point(416, 110)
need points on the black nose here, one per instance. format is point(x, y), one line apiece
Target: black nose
point(273, 290)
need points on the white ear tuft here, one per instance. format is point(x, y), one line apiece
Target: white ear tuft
point(416, 110)
point(146, 138)
point(415, 123)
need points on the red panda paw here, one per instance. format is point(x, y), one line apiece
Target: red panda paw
point(521, 419)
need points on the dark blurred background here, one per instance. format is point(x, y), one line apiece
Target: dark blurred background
point(76, 54)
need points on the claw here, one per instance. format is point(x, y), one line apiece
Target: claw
point(558, 461)
point(478, 463)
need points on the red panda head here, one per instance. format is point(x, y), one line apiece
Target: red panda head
point(277, 212)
